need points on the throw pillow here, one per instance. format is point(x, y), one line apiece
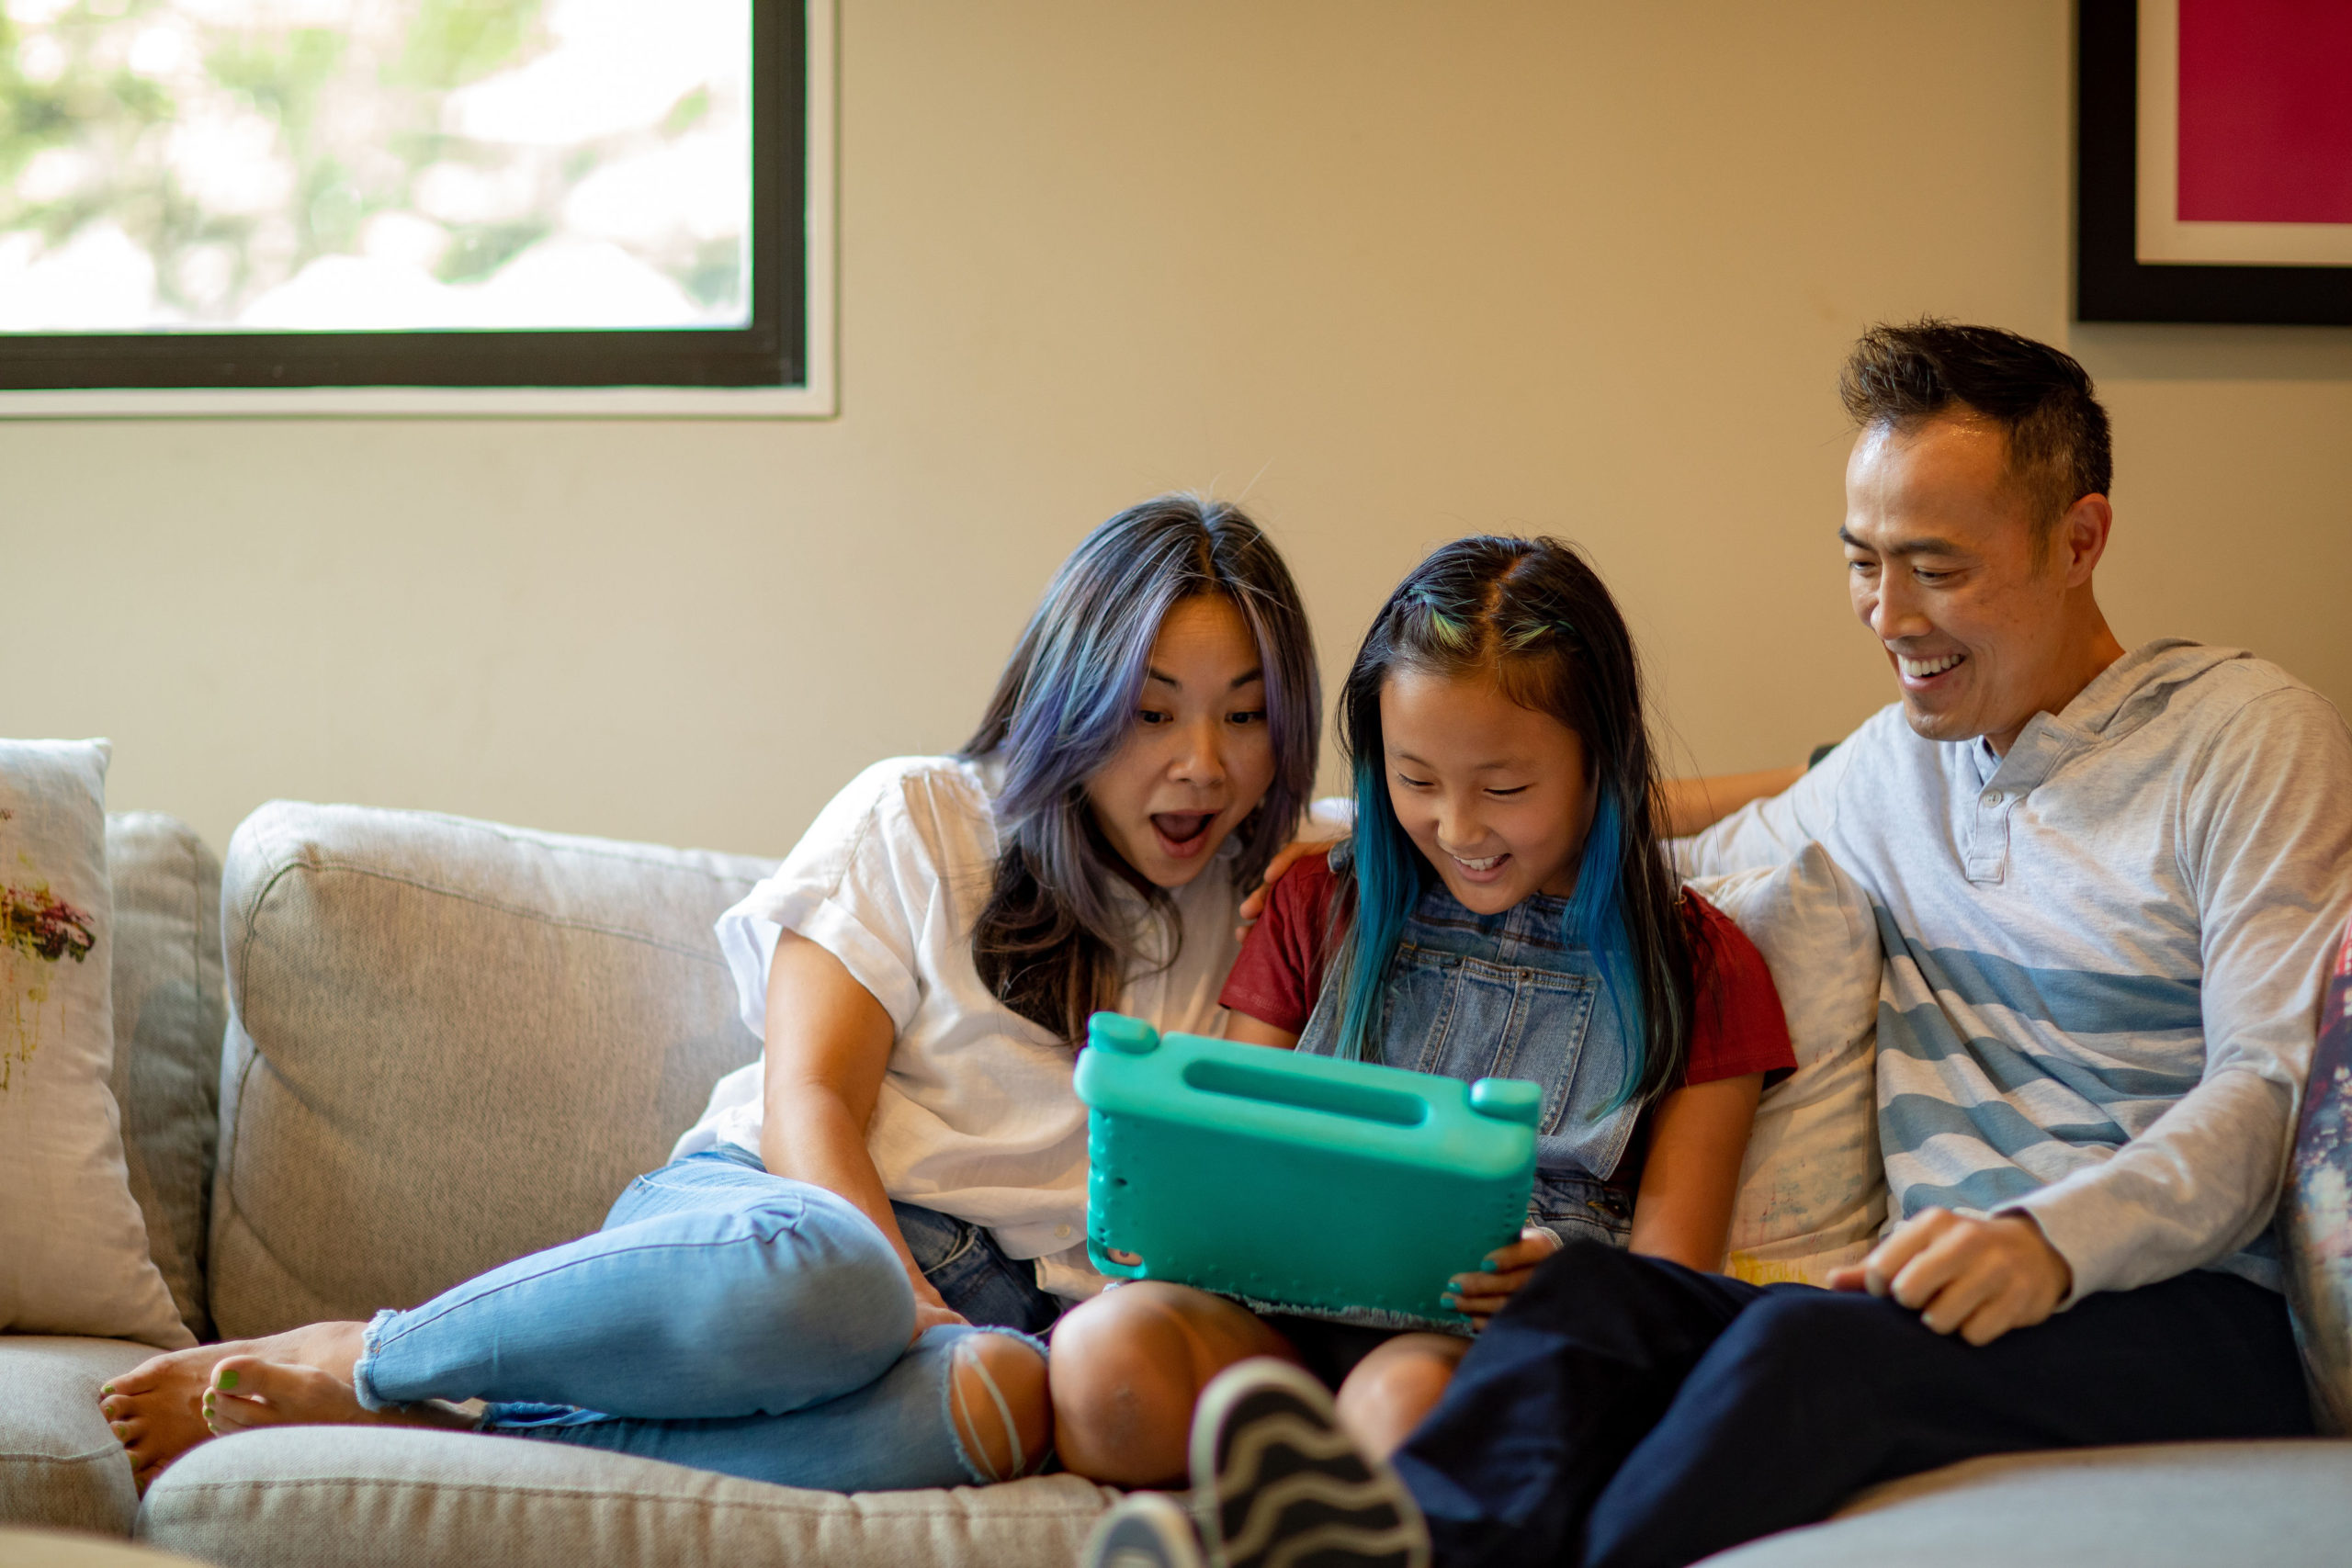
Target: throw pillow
point(170, 1007)
point(1812, 1190)
point(72, 1245)
point(2316, 1211)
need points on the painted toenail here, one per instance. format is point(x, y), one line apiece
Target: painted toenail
point(228, 1377)
point(105, 1388)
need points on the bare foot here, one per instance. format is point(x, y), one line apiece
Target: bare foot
point(1008, 1439)
point(248, 1392)
point(156, 1409)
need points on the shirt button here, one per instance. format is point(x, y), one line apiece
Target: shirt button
point(1992, 797)
point(1061, 1232)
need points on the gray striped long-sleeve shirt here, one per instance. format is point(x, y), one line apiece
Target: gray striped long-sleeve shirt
point(2105, 951)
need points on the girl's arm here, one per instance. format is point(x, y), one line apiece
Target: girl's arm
point(1683, 1211)
point(828, 1043)
point(1251, 1030)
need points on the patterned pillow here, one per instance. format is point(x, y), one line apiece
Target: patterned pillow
point(2317, 1210)
point(1812, 1193)
point(72, 1245)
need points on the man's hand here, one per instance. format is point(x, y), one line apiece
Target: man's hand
point(1289, 855)
point(1483, 1295)
point(1981, 1277)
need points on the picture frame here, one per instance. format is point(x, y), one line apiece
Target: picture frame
point(2186, 227)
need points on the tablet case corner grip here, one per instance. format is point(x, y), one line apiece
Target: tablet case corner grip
point(1116, 1031)
point(1507, 1100)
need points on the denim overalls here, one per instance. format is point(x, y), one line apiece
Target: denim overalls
point(1504, 995)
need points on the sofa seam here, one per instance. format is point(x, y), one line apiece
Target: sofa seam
point(666, 1499)
point(525, 836)
point(349, 868)
point(94, 1455)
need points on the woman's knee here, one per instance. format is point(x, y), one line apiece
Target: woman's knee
point(815, 1283)
point(999, 1405)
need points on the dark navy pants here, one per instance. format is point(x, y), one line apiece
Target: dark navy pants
point(1628, 1412)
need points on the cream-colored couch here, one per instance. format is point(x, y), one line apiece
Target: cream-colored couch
point(449, 1042)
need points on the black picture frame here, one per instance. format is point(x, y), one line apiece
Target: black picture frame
point(771, 352)
point(2110, 282)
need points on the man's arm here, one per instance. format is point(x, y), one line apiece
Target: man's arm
point(1757, 820)
point(2267, 831)
point(1691, 806)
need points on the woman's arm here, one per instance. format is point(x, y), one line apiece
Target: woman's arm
point(828, 1043)
point(1683, 1211)
point(1690, 806)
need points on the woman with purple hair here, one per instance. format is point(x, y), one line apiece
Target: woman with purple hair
point(838, 1279)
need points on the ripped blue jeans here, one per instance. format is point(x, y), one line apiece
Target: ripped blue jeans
point(723, 1318)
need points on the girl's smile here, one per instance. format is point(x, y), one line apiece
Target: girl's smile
point(1492, 794)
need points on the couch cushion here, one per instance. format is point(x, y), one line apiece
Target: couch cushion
point(2167, 1505)
point(59, 1464)
point(53, 1549)
point(169, 1007)
point(399, 1497)
point(451, 1044)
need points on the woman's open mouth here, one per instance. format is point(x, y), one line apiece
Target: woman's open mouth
point(1181, 834)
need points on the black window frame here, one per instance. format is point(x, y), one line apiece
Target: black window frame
point(772, 352)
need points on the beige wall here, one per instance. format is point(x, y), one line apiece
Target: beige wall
point(1398, 271)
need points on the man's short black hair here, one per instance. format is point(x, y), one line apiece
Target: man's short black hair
point(1901, 376)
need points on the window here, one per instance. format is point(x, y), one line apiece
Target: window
point(415, 206)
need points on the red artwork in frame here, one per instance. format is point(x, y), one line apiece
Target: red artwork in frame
point(2214, 161)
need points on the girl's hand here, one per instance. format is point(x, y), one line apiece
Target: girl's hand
point(1483, 1295)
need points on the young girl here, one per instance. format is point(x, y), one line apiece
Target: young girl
point(1504, 910)
point(835, 1280)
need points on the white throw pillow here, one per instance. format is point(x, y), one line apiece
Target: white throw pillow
point(72, 1247)
point(1812, 1188)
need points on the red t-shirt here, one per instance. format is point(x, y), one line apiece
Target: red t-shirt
point(1737, 1027)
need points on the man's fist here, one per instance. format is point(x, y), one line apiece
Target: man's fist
point(1981, 1278)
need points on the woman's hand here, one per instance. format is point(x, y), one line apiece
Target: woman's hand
point(1289, 855)
point(1483, 1295)
point(932, 1314)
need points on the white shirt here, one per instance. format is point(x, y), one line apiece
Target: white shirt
point(976, 1117)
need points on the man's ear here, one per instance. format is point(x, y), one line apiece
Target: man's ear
point(2078, 538)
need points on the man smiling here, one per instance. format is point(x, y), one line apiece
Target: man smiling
point(2108, 884)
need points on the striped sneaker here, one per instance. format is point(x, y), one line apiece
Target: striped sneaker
point(1277, 1484)
point(1144, 1529)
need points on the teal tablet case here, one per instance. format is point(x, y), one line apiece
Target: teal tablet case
point(1300, 1182)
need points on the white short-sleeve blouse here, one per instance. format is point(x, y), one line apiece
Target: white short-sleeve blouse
point(976, 1117)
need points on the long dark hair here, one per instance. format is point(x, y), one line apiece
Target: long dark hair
point(1532, 616)
point(1052, 943)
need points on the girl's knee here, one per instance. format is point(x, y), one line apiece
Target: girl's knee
point(1127, 1367)
point(1393, 1388)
